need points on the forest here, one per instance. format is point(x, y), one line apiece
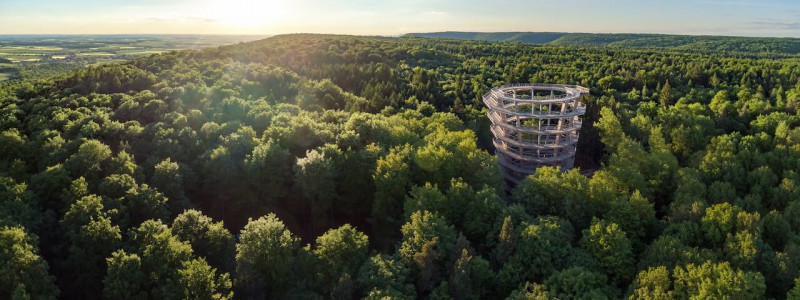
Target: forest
point(340, 167)
point(732, 45)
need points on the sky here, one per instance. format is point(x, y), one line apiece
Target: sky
point(780, 18)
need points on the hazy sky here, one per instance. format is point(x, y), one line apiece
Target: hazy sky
point(725, 17)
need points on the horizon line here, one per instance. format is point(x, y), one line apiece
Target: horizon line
point(397, 35)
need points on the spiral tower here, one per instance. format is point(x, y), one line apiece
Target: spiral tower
point(534, 125)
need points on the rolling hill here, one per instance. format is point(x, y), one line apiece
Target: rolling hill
point(748, 45)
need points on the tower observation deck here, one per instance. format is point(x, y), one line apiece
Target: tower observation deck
point(534, 125)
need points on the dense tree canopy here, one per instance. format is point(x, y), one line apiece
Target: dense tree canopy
point(317, 166)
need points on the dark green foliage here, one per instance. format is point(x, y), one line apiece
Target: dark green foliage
point(715, 44)
point(579, 283)
point(382, 275)
point(376, 155)
point(209, 239)
point(541, 249)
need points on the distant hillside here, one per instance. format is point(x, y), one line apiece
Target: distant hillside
point(522, 37)
point(751, 45)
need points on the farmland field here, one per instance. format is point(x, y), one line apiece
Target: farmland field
point(37, 56)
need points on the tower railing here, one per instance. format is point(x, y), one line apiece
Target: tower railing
point(532, 130)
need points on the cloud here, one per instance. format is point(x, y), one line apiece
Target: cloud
point(436, 13)
point(740, 3)
point(777, 24)
point(179, 20)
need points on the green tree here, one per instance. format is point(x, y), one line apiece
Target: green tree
point(652, 283)
point(314, 178)
point(392, 177)
point(542, 248)
point(552, 192)
point(427, 242)
point(90, 158)
point(92, 238)
point(340, 252)
point(382, 275)
point(665, 98)
point(717, 281)
point(610, 129)
point(168, 179)
point(610, 246)
point(22, 270)
point(125, 278)
point(530, 291)
point(579, 283)
point(209, 239)
point(161, 255)
point(794, 293)
point(268, 172)
point(719, 222)
point(635, 216)
point(200, 281)
point(264, 257)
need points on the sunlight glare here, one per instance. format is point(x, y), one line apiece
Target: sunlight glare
point(246, 13)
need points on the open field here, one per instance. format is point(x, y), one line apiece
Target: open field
point(32, 56)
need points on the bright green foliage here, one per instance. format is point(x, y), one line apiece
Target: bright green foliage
point(427, 198)
point(427, 242)
point(340, 252)
point(200, 281)
point(541, 249)
point(634, 215)
point(90, 158)
point(482, 209)
point(794, 293)
point(665, 98)
point(392, 178)
point(156, 256)
point(531, 292)
point(610, 129)
point(717, 281)
point(425, 227)
point(651, 284)
point(125, 278)
point(22, 271)
point(610, 246)
point(689, 200)
point(719, 222)
point(552, 192)
point(264, 257)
